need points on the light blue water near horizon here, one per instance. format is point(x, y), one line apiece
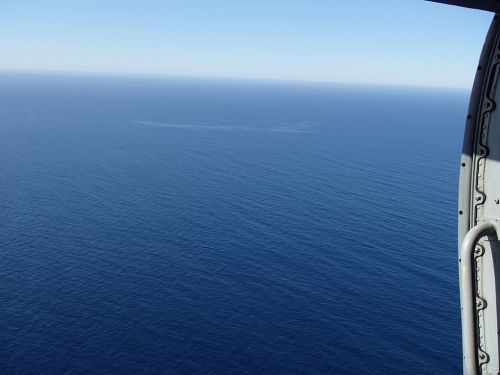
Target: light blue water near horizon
point(204, 226)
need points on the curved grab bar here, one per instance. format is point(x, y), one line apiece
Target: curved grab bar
point(467, 294)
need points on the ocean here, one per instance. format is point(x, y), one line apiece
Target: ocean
point(163, 225)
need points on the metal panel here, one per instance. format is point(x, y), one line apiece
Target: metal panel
point(479, 203)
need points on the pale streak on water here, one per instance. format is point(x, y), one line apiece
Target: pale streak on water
point(300, 128)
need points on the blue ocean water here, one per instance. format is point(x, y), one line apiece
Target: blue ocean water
point(202, 226)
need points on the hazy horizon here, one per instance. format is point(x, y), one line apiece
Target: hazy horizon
point(110, 74)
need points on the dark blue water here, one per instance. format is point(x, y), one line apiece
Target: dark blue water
point(196, 226)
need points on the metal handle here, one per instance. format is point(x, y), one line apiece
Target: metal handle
point(467, 295)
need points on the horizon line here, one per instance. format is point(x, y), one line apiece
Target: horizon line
point(224, 77)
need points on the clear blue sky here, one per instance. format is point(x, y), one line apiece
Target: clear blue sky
point(409, 42)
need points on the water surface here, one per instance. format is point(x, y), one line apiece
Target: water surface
point(199, 226)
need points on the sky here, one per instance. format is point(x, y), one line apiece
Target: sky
point(402, 42)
